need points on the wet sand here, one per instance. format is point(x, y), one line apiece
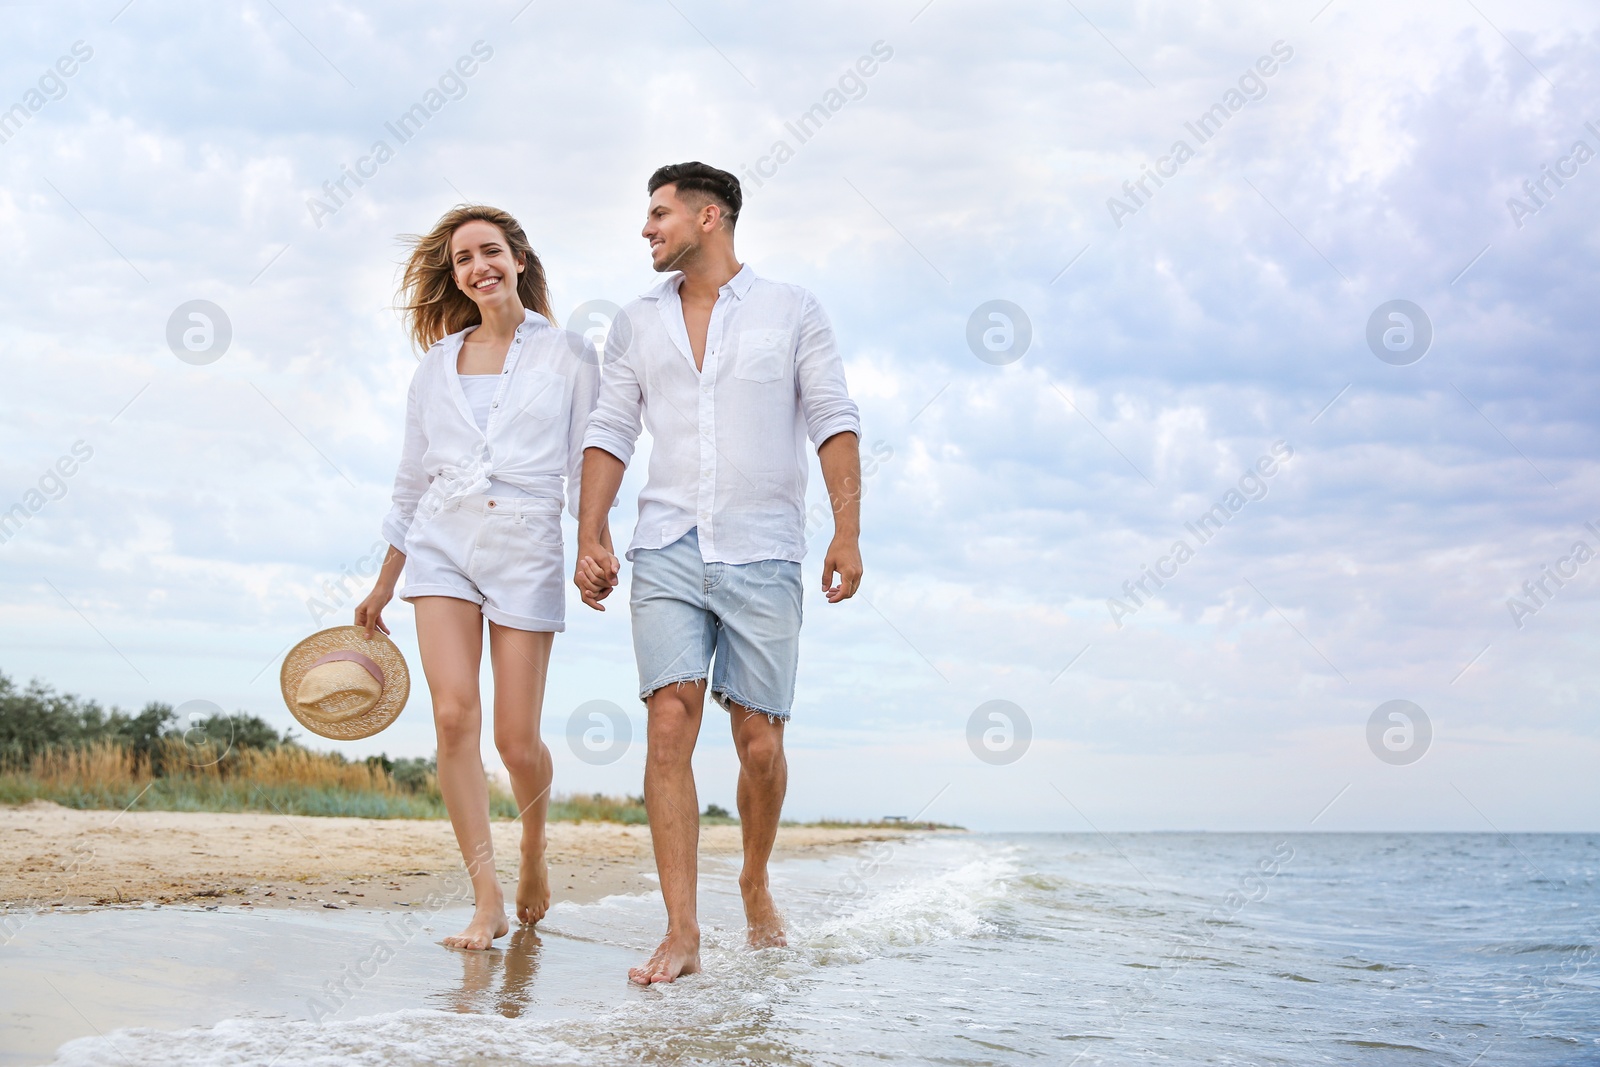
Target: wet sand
point(51, 856)
point(91, 948)
point(81, 974)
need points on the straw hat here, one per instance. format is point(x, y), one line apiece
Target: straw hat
point(341, 685)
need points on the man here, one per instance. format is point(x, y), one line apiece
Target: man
point(730, 373)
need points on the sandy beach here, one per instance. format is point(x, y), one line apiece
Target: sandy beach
point(51, 856)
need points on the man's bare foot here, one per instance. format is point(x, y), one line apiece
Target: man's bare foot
point(766, 925)
point(676, 956)
point(533, 882)
point(488, 922)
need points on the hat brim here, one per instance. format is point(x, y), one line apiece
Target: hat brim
point(379, 649)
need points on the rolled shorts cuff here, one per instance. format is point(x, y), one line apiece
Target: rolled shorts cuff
point(523, 622)
point(725, 696)
point(460, 592)
point(671, 679)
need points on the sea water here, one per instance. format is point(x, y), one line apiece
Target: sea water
point(950, 949)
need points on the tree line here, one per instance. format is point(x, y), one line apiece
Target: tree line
point(36, 719)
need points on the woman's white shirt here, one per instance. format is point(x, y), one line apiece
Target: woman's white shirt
point(532, 438)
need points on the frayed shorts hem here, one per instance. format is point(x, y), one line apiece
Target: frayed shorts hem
point(725, 696)
point(645, 692)
point(722, 695)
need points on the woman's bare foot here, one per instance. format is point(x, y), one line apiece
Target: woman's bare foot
point(761, 914)
point(676, 956)
point(488, 922)
point(533, 882)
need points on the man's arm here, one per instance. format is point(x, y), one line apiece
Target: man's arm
point(834, 425)
point(596, 574)
point(613, 430)
point(841, 472)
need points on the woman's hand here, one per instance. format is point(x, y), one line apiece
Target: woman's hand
point(596, 574)
point(369, 613)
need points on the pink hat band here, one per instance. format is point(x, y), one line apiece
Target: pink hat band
point(350, 656)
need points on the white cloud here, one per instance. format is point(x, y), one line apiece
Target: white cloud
point(1220, 318)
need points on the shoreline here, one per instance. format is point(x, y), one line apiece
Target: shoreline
point(53, 857)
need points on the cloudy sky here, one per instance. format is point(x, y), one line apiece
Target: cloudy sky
point(1230, 311)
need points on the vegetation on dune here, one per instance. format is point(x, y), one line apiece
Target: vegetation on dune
point(58, 747)
point(61, 748)
point(595, 807)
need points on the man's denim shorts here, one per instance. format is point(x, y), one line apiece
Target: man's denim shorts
point(745, 616)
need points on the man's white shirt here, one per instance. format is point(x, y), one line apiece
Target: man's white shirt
point(728, 453)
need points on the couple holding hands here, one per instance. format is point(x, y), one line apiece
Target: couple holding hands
point(508, 416)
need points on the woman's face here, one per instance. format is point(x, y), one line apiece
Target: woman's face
point(484, 266)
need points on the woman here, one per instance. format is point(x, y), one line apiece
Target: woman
point(494, 421)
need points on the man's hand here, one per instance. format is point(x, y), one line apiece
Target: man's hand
point(843, 559)
point(596, 573)
point(841, 470)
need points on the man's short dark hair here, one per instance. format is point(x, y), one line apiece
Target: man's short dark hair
point(708, 181)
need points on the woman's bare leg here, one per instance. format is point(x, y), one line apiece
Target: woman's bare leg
point(520, 659)
point(450, 638)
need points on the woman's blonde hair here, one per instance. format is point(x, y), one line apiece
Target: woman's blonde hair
point(433, 304)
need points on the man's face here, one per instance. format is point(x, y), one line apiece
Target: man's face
point(673, 228)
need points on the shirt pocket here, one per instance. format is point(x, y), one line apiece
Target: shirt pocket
point(544, 392)
point(763, 355)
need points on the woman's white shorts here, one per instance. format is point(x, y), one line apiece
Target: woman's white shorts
point(502, 553)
